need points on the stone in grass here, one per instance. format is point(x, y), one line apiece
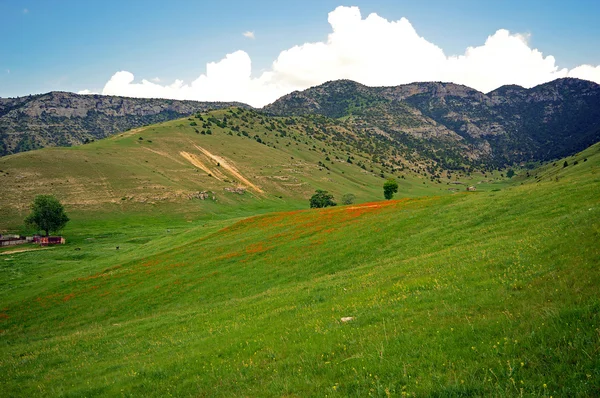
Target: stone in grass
point(347, 319)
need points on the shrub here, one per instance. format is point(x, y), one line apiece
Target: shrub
point(348, 199)
point(321, 199)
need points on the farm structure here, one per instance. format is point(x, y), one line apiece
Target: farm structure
point(14, 240)
point(51, 240)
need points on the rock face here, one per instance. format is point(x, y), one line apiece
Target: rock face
point(65, 119)
point(453, 122)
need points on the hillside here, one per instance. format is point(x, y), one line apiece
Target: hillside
point(473, 294)
point(457, 125)
point(444, 125)
point(67, 119)
point(237, 157)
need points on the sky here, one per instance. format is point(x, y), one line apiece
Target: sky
point(254, 52)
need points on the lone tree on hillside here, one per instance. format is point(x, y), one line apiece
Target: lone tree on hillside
point(47, 214)
point(390, 188)
point(321, 199)
point(510, 173)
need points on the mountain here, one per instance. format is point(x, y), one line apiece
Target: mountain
point(66, 119)
point(440, 126)
point(455, 124)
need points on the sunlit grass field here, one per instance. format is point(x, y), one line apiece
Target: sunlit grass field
point(472, 294)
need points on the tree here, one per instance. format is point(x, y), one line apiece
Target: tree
point(47, 214)
point(348, 198)
point(321, 199)
point(510, 173)
point(390, 188)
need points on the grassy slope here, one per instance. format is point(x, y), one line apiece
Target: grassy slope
point(124, 175)
point(490, 293)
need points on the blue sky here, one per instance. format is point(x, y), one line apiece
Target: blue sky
point(75, 45)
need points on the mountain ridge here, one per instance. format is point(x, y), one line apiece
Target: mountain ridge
point(508, 125)
point(452, 124)
point(60, 118)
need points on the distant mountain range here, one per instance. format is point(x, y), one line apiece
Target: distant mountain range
point(66, 119)
point(452, 125)
point(456, 123)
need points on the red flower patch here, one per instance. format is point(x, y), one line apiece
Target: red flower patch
point(257, 248)
point(68, 297)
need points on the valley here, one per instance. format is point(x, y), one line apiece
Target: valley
point(193, 266)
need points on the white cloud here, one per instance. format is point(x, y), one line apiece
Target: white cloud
point(586, 72)
point(227, 80)
point(372, 51)
point(249, 35)
point(156, 79)
point(25, 11)
point(505, 58)
point(86, 92)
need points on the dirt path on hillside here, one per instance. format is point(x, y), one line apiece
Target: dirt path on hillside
point(227, 165)
point(173, 158)
point(193, 159)
point(25, 250)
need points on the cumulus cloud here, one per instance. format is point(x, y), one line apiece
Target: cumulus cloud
point(249, 34)
point(372, 51)
point(227, 80)
point(586, 72)
point(86, 92)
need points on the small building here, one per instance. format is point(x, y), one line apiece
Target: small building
point(51, 240)
point(471, 188)
point(12, 240)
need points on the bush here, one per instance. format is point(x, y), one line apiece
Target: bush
point(348, 199)
point(321, 199)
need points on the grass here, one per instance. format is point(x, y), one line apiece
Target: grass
point(490, 293)
point(147, 169)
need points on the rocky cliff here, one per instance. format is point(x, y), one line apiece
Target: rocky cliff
point(65, 119)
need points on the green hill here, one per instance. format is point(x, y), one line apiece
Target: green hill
point(491, 293)
point(242, 159)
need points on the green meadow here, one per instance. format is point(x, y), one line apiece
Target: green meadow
point(486, 293)
point(155, 169)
